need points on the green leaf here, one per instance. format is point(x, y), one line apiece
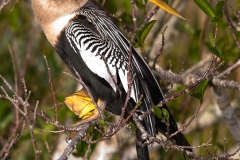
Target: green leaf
point(81, 149)
point(165, 114)
point(13, 19)
point(216, 20)
point(135, 44)
point(133, 126)
point(102, 123)
point(218, 8)
point(206, 8)
point(146, 29)
point(139, 104)
point(199, 93)
point(138, 37)
point(215, 52)
point(157, 111)
point(140, 5)
point(198, 96)
point(222, 48)
point(90, 130)
point(142, 34)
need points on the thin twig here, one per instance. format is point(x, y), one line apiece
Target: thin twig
point(52, 90)
point(230, 25)
point(161, 49)
point(184, 126)
point(229, 69)
point(133, 15)
point(146, 20)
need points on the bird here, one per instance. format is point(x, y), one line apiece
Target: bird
point(94, 48)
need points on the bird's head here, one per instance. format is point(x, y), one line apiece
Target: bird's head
point(53, 15)
point(46, 10)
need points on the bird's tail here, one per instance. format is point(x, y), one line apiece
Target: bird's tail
point(161, 127)
point(142, 152)
point(153, 124)
point(147, 85)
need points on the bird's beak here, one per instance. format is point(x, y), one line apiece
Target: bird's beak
point(166, 7)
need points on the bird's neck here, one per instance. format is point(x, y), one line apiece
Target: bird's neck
point(53, 15)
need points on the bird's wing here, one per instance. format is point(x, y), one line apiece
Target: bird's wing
point(99, 53)
point(110, 31)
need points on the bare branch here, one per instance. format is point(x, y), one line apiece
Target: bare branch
point(161, 49)
point(3, 3)
point(230, 25)
point(230, 116)
point(52, 90)
point(81, 133)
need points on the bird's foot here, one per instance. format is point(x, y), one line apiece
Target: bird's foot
point(82, 106)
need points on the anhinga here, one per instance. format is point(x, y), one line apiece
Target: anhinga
point(91, 45)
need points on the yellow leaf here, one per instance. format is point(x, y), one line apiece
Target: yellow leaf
point(166, 7)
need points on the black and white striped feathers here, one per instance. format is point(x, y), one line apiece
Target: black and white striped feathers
point(100, 54)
